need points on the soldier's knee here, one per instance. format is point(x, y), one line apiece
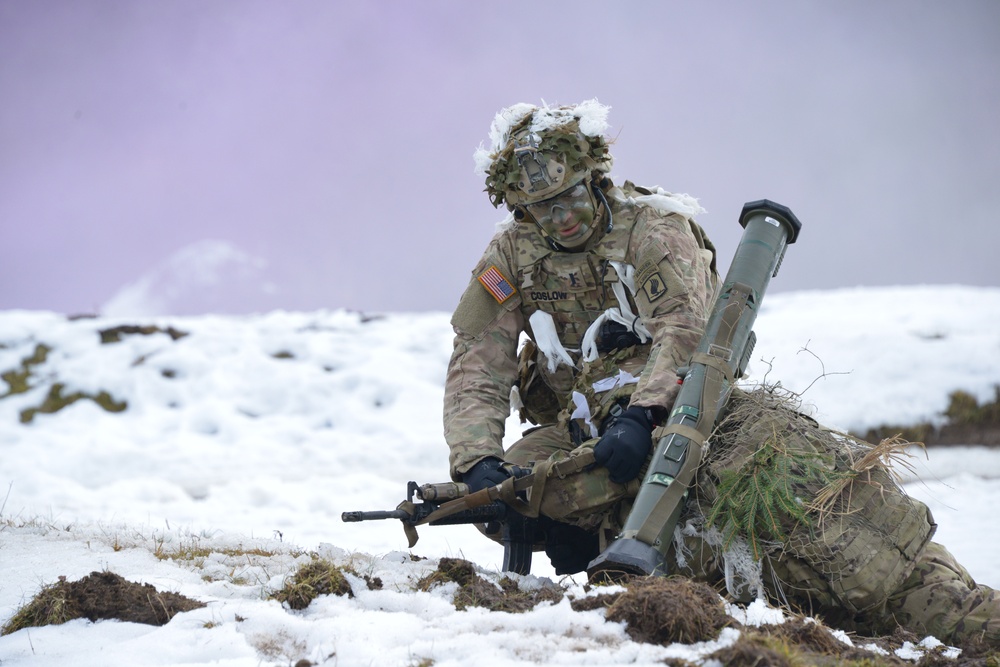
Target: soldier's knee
point(538, 444)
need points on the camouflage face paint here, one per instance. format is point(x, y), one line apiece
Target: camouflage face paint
point(568, 217)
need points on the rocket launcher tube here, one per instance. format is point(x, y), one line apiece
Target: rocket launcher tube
point(718, 361)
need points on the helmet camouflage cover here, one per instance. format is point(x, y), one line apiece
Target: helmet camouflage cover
point(537, 152)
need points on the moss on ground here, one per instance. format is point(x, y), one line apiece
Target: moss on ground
point(17, 378)
point(55, 401)
point(969, 422)
point(115, 334)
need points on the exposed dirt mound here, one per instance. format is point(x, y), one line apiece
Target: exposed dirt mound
point(475, 591)
point(977, 653)
point(798, 641)
point(99, 596)
point(662, 611)
point(751, 652)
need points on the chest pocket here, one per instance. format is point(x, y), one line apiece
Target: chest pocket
point(567, 287)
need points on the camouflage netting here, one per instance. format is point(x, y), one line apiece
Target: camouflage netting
point(822, 509)
point(573, 132)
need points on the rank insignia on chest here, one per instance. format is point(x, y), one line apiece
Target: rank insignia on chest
point(654, 287)
point(496, 284)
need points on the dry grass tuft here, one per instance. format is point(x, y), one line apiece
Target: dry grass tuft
point(475, 591)
point(315, 578)
point(889, 456)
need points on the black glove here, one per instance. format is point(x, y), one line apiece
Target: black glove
point(485, 473)
point(625, 445)
point(569, 548)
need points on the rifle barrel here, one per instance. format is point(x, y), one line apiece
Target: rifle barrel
point(377, 515)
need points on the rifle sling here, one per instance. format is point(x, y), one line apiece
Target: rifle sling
point(579, 459)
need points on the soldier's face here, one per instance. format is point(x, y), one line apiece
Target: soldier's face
point(568, 217)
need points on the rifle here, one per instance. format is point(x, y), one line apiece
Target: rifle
point(448, 503)
point(707, 382)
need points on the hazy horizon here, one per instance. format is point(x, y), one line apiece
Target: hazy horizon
point(331, 143)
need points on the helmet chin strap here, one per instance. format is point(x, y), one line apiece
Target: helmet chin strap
point(555, 245)
point(558, 247)
point(600, 195)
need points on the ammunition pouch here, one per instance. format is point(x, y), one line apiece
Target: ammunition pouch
point(539, 403)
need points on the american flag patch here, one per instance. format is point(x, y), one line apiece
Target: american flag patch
point(496, 284)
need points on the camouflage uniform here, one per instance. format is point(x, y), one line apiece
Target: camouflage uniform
point(866, 563)
point(674, 283)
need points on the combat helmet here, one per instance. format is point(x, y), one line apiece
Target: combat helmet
point(538, 152)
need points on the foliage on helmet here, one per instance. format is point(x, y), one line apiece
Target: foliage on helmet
point(565, 143)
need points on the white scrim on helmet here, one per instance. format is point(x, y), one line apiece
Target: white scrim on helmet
point(592, 116)
point(500, 133)
point(535, 151)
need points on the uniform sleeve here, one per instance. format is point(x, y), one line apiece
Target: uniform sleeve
point(676, 286)
point(483, 365)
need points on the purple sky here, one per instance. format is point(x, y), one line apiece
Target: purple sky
point(335, 139)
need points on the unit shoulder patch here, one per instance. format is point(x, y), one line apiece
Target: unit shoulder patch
point(495, 283)
point(645, 271)
point(654, 286)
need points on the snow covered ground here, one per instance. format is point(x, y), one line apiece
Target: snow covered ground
point(258, 431)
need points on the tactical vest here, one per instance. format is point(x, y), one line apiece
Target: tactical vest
point(574, 289)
